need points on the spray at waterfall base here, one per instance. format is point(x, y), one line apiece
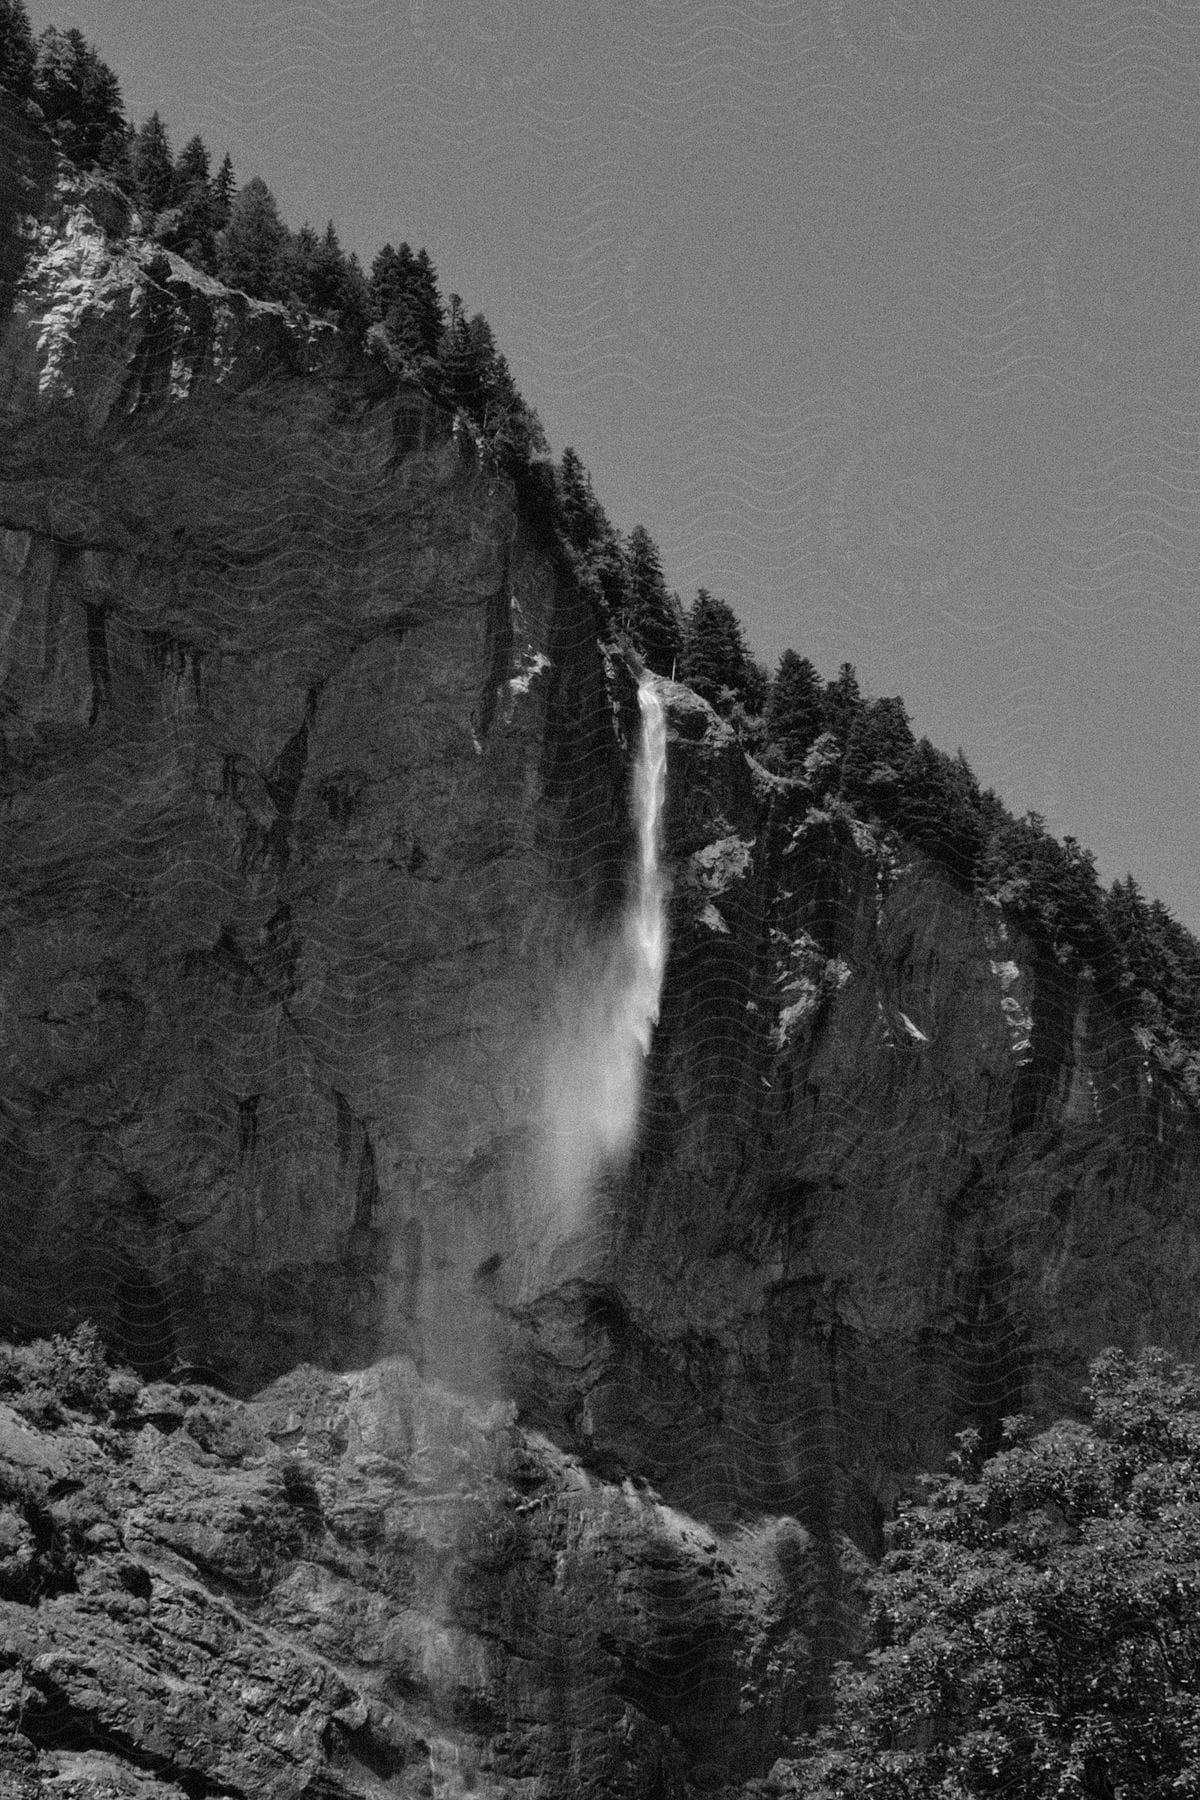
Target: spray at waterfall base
point(594, 1067)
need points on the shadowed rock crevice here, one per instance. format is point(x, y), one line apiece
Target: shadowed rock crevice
point(50, 1721)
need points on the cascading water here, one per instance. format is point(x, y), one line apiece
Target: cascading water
point(594, 1071)
point(639, 986)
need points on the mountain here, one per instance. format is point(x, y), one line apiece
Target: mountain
point(433, 1470)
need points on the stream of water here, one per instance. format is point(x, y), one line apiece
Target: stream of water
point(594, 1078)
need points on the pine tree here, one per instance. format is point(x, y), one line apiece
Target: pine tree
point(18, 52)
point(317, 275)
point(116, 158)
point(878, 749)
point(756, 690)
point(795, 716)
point(483, 343)
point(79, 95)
point(192, 167)
point(329, 273)
point(223, 189)
point(382, 282)
point(653, 620)
point(592, 543)
point(250, 249)
point(580, 513)
point(189, 226)
point(426, 302)
point(607, 571)
point(403, 296)
point(1129, 919)
point(153, 170)
point(354, 306)
point(299, 262)
point(842, 702)
point(715, 660)
point(459, 363)
point(476, 376)
point(942, 810)
point(516, 427)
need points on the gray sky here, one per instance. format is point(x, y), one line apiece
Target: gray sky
point(882, 315)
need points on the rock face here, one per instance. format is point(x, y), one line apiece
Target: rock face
point(312, 776)
point(363, 1585)
point(315, 834)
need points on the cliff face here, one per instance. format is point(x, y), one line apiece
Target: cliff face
point(311, 773)
point(315, 829)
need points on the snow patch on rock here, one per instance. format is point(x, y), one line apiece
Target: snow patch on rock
point(533, 663)
point(1017, 1016)
point(718, 865)
point(806, 980)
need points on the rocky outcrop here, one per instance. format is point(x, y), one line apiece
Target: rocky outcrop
point(315, 831)
point(362, 1585)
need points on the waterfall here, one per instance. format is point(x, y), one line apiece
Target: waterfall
point(594, 1069)
point(646, 919)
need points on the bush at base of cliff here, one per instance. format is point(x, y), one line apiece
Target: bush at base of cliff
point(1036, 1620)
point(42, 1378)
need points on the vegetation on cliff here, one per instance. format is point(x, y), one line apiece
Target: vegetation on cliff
point(1035, 1623)
point(237, 235)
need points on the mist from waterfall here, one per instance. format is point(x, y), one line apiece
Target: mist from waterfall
point(594, 1072)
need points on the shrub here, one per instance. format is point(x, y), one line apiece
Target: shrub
point(42, 1378)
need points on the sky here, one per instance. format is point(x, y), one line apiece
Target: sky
point(883, 316)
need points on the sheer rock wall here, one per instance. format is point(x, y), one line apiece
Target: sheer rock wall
point(315, 829)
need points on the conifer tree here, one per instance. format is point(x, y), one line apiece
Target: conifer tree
point(298, 266)
point(329, 273)
point(80, 97)
point(1129, 921)
point(17, 49)
point(426, 302)
point(756, 690)
point(223, 189)
point(579, 511)
point(878, 749)
point(592, 543)
point(153, 170)
point(381, 282)
point(795, 717)
point(653, 619)
point(513, 424)
point(842, 702)
point(403, 296)
point(387, 294)
point(354, 307)
point(608, 571)
point(250, 249)
point(318, 276)
point(942, 810)
point(189, 226)
point(192, 166)
point(459, 363)
point(715, 660)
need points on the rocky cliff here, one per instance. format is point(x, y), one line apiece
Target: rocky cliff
point(315, 831)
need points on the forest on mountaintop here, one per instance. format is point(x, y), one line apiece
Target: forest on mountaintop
point(854, 753)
